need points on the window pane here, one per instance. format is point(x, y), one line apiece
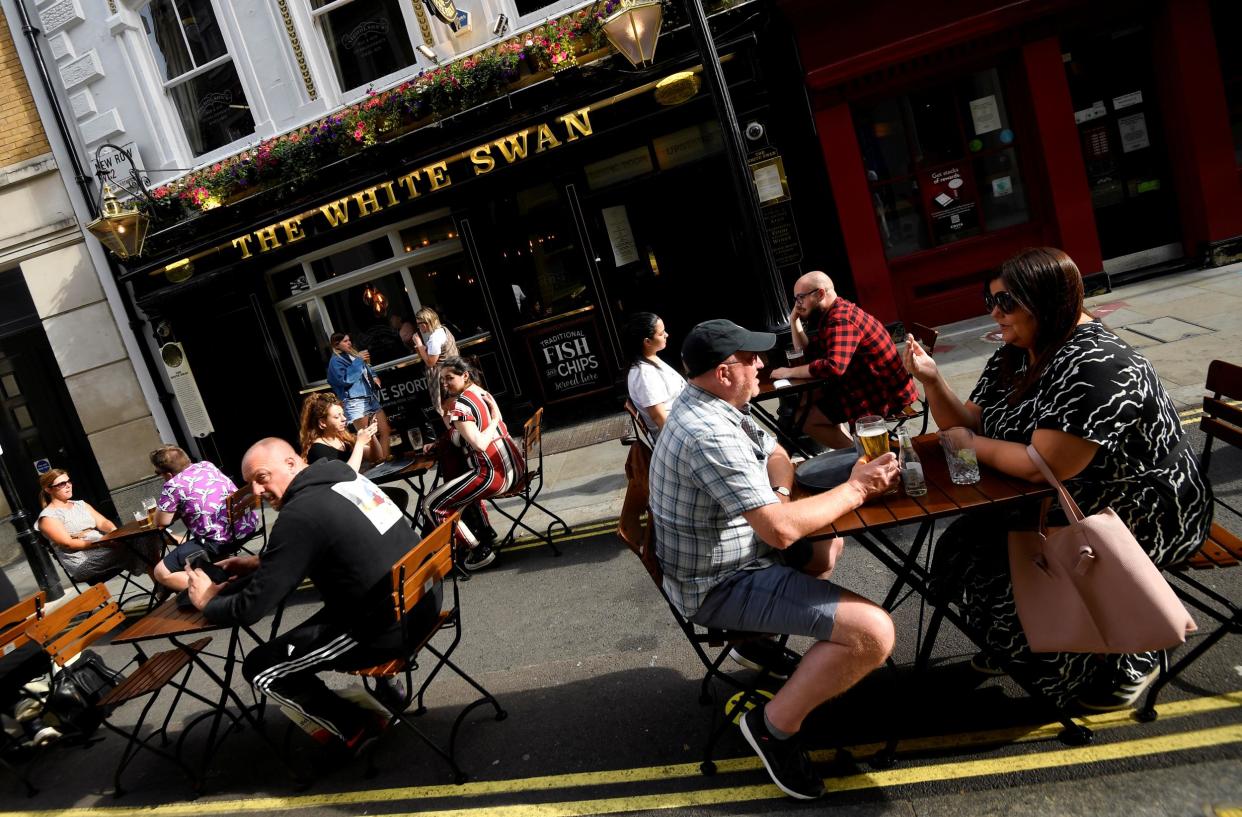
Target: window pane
point(362, 312)
point(367, 40)
point(449, 287)
point(354, 258)
point(935, 137)
point(310, 341)
point(426, 235)
point(985, 119)
point(201, 30)
point(1001, 190)
point(882, 137)
point(163, 29)
point(539, 253)
point(901, 220)
point(531, 6)
point(213, 108)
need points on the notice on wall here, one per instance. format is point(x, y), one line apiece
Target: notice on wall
point(1002, 186)
point(620, 236)
point(185, 389)
point(1133, 132)
point(1126, 100)
point(1096, 111)
point(618, 168)
point(778, 222)
point(951, 202)
point(568, 358)
point(985, 114)
point(1095, 142)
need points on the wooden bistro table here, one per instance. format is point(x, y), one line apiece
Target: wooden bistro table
point(869, 526)
point(412, 470)
point(179, 625)
point(127, 535)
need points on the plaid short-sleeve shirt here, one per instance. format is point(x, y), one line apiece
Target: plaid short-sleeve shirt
point(709, 467)
point(853, 352)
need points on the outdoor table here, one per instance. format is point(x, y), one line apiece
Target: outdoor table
point(179, 625)
point(869, 526)
point(408, 469)
point(126, 535)
point(769, 392)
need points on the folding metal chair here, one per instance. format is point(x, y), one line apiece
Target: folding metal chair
point(129, 579)
point(13, 637)
point(641, 433)
point(529, 486)
point(413, 576)
point(1221, 549)
point(712, 645)
point(80, 622)
point(926, 336)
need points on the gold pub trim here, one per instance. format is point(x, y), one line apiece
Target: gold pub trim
point(292, 34)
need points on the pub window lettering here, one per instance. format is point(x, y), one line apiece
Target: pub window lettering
point(942, 163)
point(199, 76)
point(366, 39)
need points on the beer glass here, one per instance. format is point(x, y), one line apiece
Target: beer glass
point(148, 505)
point(872, 436)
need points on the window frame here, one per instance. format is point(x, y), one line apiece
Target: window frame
point(553, 9)
point(323, 51)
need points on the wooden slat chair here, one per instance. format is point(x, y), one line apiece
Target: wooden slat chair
point(529, 486)
point(1222, 549)
point(239, 502)
point(712, 645)
point(413, 576)
point(640, 428)
point(79, 623)
point(13, 637)
point(918, 410)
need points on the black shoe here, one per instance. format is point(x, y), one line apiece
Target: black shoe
point(366, 736)
point(764, 653)
point(985, 664)
point(391, 693)
point(1118, 696)
point(786, 761)
point(479, 557)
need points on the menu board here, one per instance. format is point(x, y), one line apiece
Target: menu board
point(568, 357)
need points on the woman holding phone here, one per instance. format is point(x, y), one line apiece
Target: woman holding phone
point(325, 434)
point(357, 387)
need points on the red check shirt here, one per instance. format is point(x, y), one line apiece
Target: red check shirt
point(853, 352)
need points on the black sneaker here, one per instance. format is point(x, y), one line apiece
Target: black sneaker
point(1118, 696)
point(786, 761)
point(479, 557)
point(391, 693)
point(765, 653)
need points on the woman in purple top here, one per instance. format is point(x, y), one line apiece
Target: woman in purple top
point(198, 493)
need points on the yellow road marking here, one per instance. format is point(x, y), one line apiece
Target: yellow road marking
point(1176, 709)
point(579, 533)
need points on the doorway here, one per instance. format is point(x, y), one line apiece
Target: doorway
point(1113, 89)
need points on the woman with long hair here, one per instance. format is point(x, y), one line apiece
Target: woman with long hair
point(324, 434)
point(432, 342)
point(1099, 416)
point(74, 528)
point(494, 462)
point(357, 387)
point(652, 383)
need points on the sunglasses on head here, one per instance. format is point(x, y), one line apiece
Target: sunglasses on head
point(1006, 302)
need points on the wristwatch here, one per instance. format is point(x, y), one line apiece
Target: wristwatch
point(782, 490)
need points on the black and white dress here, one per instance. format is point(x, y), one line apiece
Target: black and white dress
point(1098, 389)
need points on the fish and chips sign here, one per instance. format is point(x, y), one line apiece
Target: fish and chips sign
point(476, 161)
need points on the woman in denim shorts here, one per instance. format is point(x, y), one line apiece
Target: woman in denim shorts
point(357, 387)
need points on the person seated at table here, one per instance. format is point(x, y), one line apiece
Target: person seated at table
point(852, 353)
point(734, 551)
point(197, 493)
point(1099, 416)
point(337, 529)
point(74, 528)
point(324, 434)
point(652, 383)
point(493, 461)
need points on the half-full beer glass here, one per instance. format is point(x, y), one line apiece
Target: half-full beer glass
point(872, 436)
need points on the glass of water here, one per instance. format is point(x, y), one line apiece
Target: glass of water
point(959, 451)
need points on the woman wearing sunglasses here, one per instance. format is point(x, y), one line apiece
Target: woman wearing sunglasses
point(1099, 416)
point(74, 528)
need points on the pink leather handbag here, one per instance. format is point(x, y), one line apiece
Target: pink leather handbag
point(1090, 587)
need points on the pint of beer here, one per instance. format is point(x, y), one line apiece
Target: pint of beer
point(872, 436)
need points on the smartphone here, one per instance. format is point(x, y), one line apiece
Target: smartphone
point(199, 560)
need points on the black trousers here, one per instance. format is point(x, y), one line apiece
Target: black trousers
point(286, 669)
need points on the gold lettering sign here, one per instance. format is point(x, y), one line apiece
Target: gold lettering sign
point(435, 176)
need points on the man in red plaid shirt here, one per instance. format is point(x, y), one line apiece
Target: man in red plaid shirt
point(852, 352)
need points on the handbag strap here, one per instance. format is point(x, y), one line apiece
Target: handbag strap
point(1067, 502)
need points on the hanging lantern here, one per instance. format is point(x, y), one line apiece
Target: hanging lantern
point(120, 228)
point(633, 29)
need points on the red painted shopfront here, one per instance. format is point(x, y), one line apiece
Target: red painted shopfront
point(956, 134)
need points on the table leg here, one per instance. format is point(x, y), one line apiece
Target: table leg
point(789, 441)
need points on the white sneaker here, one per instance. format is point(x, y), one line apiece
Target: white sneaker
point(46, 735)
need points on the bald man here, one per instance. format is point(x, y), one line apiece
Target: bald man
point(852, 353)
point(342, 532)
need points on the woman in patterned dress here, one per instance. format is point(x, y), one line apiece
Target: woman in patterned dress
point(1099, 416)
point(494, 462)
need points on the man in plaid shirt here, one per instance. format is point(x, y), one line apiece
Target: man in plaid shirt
point(732, 547)
point(852, 353)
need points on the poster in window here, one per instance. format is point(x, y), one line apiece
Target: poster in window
point(620, 236)
point(1133, 132)
point(1095, 142)
point(985, 114)
point(951, 203)
point(568, 357)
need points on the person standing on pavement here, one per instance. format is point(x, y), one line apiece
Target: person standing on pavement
point(198, 493)
point(432, 342)
point(854, 356)
point(732, 547)
point(339, 530)
point(357, 387)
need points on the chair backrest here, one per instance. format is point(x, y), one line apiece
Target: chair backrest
point(1221, 420)
point(532, 443)
point(238, 504)
point(635, 526)
point(641, 433)
point(63, 636)
point(15, 621)
point(416, 573)
point(925, 335)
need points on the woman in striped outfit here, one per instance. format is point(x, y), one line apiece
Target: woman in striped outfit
point(494, 462)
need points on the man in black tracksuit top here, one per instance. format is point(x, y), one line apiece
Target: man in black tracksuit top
point(340, 530)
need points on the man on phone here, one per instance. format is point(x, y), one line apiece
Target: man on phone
point(338, 529)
